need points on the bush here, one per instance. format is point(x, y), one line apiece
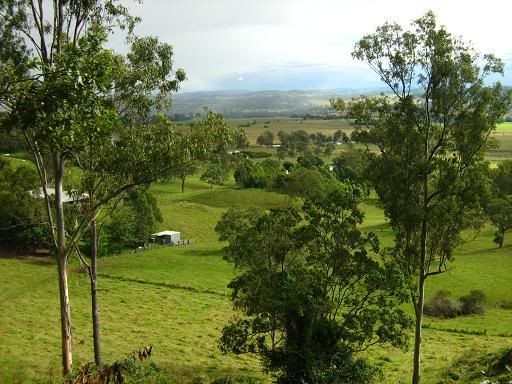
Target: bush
point(473, 302)
point(256, 154)
point(257, 175)
point(442, 306)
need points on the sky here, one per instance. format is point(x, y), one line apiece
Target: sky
point(303, 44)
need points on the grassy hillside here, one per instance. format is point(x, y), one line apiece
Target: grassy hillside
point(176, 299)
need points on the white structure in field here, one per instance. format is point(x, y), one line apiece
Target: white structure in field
point(166, 237)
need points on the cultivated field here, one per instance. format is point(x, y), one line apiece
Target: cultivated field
point(176, 298)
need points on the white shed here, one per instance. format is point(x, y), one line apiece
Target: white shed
point(166, 237)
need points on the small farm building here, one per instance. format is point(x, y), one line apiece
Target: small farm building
point(166, 237)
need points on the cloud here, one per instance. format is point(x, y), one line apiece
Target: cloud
point(217, 41)
point(240, 78)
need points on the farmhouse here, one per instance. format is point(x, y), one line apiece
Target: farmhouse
point(166, 237)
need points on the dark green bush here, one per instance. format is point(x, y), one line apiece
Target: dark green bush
point(440, 305)
point(473, 302)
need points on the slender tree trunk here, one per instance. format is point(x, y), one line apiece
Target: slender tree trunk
point(418, 307)
point(416, 375)
point(96, 335)
point(65, 311)
point(182, 184)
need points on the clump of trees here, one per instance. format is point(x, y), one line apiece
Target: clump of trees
point(310, 291)
point(429, 172)
point(352, 165)
point(266, 139)
point(263, 174)
point(133, 222)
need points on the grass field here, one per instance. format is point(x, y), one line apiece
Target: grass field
point(176, 299)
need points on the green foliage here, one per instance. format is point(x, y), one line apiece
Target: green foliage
point(256, 154)
point(309, 160)
point(429, 171)
point(440, 305)
point(12, 141)
point(294, 142)
point(311, 294)
point(351, 166)
point(257, 175)
point(502, 179)
point(499, 211)
point(308, 184)
point(133, 223)
point(266, 138)
point(241, 139)
point(215, 174)
point(21, 214)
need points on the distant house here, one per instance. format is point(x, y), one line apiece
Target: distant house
point(72, 197)
point(166, 237)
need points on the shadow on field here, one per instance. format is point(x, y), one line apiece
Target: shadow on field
point(493, 249)
point(202, 252)
point(45, 261)
point(198, 373)
point(160, 284)
point(377, 228)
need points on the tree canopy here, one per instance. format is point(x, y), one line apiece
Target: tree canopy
point(431, 136)
point(310, 291)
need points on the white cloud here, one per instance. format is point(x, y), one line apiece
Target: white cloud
point(217, 39)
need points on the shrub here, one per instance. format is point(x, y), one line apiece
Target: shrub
point(473, 302)
point(442, 306)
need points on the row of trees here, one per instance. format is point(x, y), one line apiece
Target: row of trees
point(297, 142)
point(76, 102)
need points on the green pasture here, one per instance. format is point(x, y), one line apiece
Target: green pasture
point(176, 299)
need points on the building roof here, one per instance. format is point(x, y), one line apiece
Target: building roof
point(165, 233)
point(66, 197)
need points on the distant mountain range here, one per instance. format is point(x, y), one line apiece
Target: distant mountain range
point(234, 104)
